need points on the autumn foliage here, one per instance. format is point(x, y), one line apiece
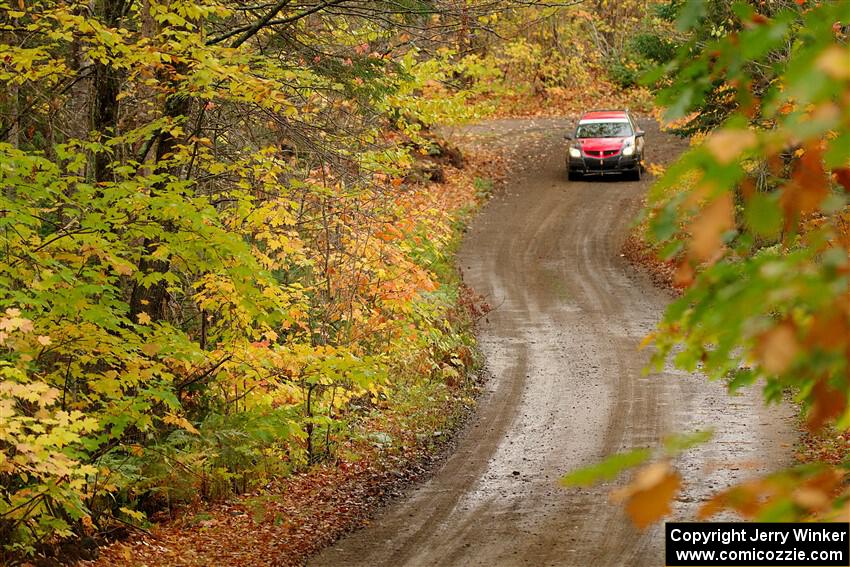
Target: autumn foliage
point(756, 215)
point(216, 259)
point(226, 231)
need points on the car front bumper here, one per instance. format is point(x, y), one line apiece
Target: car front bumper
point(602, 165)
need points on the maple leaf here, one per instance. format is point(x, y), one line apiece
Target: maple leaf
point(727, 145)
point(828, 404)
point(777, 348)
point(181, 422)
point(707, 230)
point(835, 62)
point(648, 496)
point(808, 186)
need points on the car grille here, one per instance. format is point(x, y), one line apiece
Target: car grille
point(602, 153)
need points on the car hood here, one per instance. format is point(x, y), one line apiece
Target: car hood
point(600, 144)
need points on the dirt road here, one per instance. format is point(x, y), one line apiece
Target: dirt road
point(566, 387)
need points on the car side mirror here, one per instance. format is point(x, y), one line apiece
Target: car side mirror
point(639, 134)
point(567, 137)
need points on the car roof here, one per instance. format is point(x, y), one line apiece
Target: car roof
point(613, 115)
point(605, 114)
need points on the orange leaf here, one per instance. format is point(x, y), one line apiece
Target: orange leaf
point(727, 145)
point(712, 506)
point(829, 403)
point(708, 228)
point(684, 275)
point(649, 495)
point(777, 347)
point(810, 498)
point(830, 330)
point(808, 186)
point(842, 176)
point(747, 499)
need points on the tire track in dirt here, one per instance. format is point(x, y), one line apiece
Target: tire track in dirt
point(566, 386)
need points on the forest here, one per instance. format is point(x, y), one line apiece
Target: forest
point(229, 235)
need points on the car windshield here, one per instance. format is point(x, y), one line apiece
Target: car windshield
point(604, 130)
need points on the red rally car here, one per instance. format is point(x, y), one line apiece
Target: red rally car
point(605, 141)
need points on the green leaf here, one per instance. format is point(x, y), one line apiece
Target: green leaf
point(692, 12)
point(608, 469)
point(677, 444)
point(740, 378)
point(763, 215)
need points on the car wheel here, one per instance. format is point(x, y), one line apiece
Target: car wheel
point(573, 175)
point(637, 173)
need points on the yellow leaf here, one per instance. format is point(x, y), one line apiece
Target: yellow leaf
point(181, 422)
point(835, 62)
point(143, 318)
point(48, 397)
point(647, 340)
point(88, 525)
point(25, 325)
point(44, 340)
point(121, 267)
point(150, 349)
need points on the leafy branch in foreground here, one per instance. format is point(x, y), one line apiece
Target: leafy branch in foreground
point(756, 216)
point(647, 497)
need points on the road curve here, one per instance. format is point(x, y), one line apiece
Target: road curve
point(566, 386)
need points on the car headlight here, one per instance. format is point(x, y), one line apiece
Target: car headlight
point(628, 150)
point(574, 152)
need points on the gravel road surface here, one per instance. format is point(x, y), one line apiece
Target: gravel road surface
point(566, 389)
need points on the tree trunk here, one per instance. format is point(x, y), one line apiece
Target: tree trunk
point(104, 119)
point(152, 299)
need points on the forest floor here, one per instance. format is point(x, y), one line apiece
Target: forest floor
point(561, 345)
